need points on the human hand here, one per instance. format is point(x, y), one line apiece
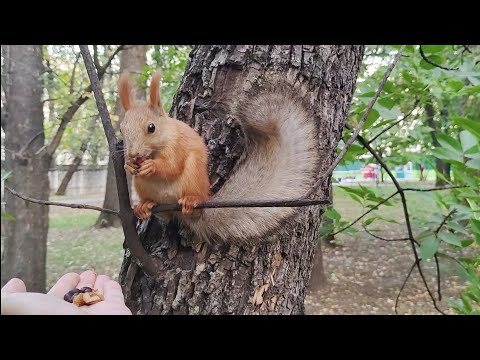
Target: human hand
point(15, 299)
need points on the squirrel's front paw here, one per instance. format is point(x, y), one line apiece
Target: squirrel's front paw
point(147, 168)
point(130, 168)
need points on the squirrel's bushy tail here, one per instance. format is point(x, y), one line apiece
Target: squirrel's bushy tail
point(280, 161)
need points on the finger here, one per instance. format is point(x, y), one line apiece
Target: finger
point(87, 278)
point(36, 304)
point(113, 292)
point(66, 283)
point(100, 282)
point(14, 286)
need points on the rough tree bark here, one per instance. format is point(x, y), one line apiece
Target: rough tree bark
point(223, 279)
point(132, 59)
point(442, 167)
point(78, 158)
point(25, 241)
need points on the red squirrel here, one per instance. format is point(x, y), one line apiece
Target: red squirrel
point(168, 161)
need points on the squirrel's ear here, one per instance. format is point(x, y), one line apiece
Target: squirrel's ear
point(125, 91)
point(155, 102)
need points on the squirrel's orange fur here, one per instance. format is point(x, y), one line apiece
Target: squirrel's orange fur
point(175, 159)
point(280, 161)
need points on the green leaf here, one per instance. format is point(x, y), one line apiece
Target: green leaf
point(386, 102)
point(368, 94)
point(446, 154)
point(369, 221)
point(455, 85)
point(325, 229)
point(428, 247)
point(426, 65)
point(7, 216)
point(475, 224)
point(455, 226)
point(5, 175)
point(474, 164)
point(386, 114)
point(473, 126)
point(351, 230)
point(431, 49)
point(468, 142)
point(466, 243)
point(374, 115)
point(450, 143)
point(450, 238)
point(331, 213)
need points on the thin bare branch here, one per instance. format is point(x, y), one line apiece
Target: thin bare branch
point(437, 230)
point(394, 123)
point(382, 238)
point(58, 203)
point(411, 237)
point(243, 204)
point(72, 78)
point(364, 214)
point(360, 124)
point(75, 105)
point(437, 188)
point(126, 214)
point(403, 286)
point(432, 63)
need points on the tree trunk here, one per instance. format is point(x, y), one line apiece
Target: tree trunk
point(77, 160)
point(269, 278)
point(26, 237)
point(132, 59)
point(442, 167)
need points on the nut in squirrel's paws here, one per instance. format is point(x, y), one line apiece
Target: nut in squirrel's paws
point(83, 296)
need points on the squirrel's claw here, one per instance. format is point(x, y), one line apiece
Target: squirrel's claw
point(143, 210)
point(188, 203)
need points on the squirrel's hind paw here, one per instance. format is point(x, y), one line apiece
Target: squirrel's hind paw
point(143, 210)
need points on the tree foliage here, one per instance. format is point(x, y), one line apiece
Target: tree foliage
point(436, 115)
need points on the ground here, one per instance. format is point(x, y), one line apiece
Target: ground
point(364, 275)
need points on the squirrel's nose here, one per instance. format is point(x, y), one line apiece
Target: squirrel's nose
point(133, 155)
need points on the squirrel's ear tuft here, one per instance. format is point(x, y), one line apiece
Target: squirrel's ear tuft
point(155, 102)
point(125, 91)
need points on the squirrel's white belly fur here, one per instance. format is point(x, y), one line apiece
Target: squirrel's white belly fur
point(161, 192)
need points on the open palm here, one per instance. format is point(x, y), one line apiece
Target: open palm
point(16, 300)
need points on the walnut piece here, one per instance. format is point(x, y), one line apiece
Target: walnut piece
point(88, 298)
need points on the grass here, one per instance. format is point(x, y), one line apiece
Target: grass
point(75, 245)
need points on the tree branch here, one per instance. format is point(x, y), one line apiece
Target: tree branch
point(360, 124)
point(437, 188)
point(445, 219)
point(75, 105)
point(403, 286)
point(395, 123)
point(72, 78)
point(57, 203)
point(382, 238)
point(126, 214)
point(432, 63)
point(365, 213)
point(401, 191)
point(243, 204)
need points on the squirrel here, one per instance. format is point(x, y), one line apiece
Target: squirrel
point(169, 162)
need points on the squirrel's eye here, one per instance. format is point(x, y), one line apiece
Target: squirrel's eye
point(151, 128)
